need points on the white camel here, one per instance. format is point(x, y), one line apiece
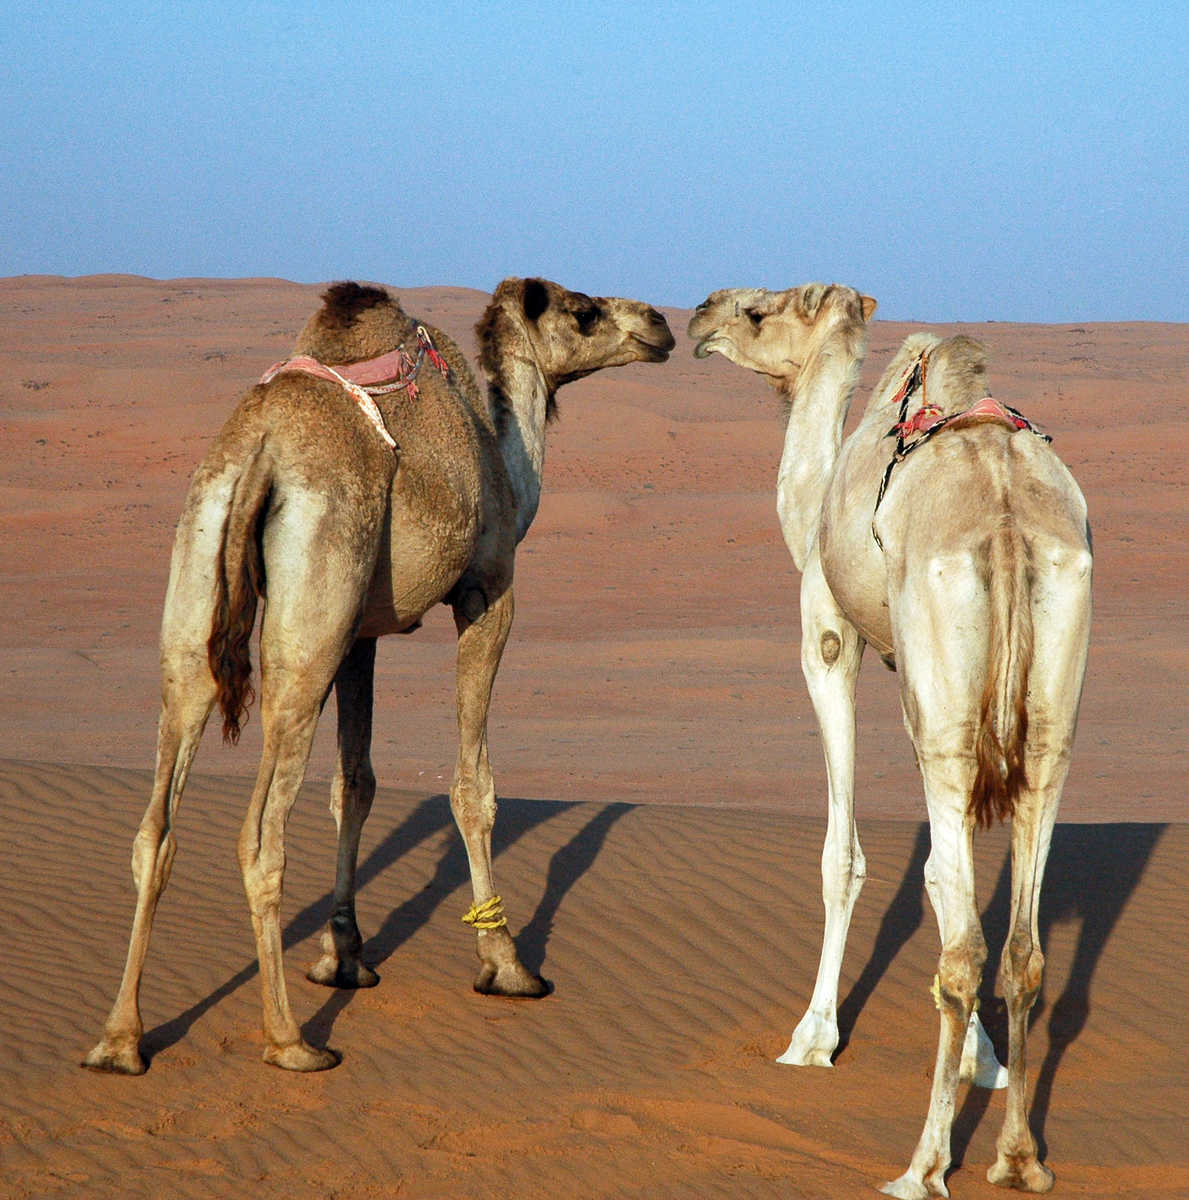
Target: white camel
point(964, 559)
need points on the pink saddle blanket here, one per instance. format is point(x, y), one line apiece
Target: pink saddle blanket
point(988, 410)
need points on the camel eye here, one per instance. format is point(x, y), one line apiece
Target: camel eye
point(587, 318)
point(754, 316)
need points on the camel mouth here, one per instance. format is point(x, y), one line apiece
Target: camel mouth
point(654, 352)
point(703, 349)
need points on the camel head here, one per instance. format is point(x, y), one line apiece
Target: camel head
point(565, 334)
point(776, 333)
point(356, 322)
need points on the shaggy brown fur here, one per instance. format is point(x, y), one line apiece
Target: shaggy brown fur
point(300, 495)
point(355, 323)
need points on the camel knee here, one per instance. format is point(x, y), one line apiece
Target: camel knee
point(263, 886)
point(473, 805)
point(152, 855)
point(263, 869)
point(844, 871)
point(1023, 966)
point(359, 784)
point(959, 971)
point(474, 814)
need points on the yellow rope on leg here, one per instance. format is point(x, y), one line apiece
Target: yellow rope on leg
point(488, 915)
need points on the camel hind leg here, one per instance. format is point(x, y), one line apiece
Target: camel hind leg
point(312, 611)
point(289, 714)
point(1061, 620)
point(949, 882)
point(188, 695)
point(1017, 1164)
point(940, 693)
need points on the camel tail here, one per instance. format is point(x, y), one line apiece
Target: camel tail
point(239, 581)
point(1003, 715)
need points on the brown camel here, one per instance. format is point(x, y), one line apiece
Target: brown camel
point(304, 501)
point(967, 567)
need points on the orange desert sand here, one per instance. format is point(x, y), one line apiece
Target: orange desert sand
point(662, 808)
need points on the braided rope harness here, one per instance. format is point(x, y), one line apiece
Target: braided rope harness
point(928, 420)
point(391, 372)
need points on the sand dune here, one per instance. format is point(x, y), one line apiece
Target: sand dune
point(661, 815)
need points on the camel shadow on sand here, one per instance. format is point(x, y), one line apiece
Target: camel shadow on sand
point(428, 819)
point(1092, 873)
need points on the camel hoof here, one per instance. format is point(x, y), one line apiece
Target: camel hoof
point(806, 1058)
point(298, 1056)
point(511, 979)
point(118, 1058)
point(909, 1187)
point(813, 1043)
point(330, 972)
point(1025, 1175)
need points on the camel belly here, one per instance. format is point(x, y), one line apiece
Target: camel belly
point(416, 568)
point(855, 572)
point(865, 606)
point(431, 535)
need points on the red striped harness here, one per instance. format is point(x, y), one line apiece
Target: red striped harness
point(928, 420)
point(391, 372)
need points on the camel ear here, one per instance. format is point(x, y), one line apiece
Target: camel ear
point(536, 298)
point(807, 300)
point(869, 306)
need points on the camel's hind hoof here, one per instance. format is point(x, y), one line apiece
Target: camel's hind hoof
point(511, 979)
point(813, 1043)
point(298, 1056)
point(118, 1058)
point(1025, 1175)
point(909, 1187)
point(330, 972)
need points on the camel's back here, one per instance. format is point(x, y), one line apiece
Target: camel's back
point(947, 496)
point(961, 486)
point(963, 479)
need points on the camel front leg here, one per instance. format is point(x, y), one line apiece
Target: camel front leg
point(351, 796)
point(188, 698)
point(483, 628)
point(831, 651)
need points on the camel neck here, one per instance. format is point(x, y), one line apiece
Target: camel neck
point(820, 399)
point(521, 430)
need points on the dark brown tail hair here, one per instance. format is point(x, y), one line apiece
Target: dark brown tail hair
point(240, 579)
point(1003, 716)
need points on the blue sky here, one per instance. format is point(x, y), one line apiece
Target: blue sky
point(1014, 161)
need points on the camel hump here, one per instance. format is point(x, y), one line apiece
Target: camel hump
point(957, 374)
point(343, 302)
point(356, 322)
